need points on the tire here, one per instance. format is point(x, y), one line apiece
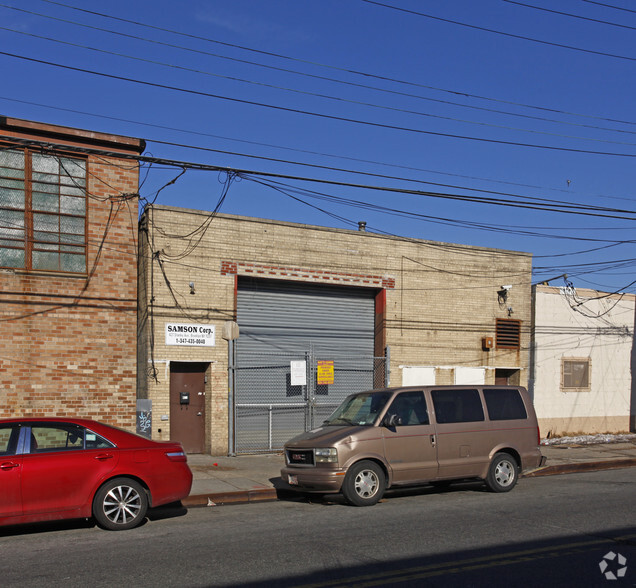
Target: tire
point(364, 484)
point(503, 473)
point(120, 504)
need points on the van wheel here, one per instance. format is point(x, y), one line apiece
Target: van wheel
point(503, 473)
point(364, 484)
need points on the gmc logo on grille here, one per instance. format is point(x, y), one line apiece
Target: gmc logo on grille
point(298, 457)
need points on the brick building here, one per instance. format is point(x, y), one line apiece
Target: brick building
point(68, 272)
point(321, 313)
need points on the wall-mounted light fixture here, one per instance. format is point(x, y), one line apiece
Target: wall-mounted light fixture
point(502, 294)
point(191, 287)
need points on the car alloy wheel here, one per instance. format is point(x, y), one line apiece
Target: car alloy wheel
point(120, 504)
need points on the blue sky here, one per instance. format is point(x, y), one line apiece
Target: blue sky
point(500, 103)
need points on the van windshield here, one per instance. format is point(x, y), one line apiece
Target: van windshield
point(359, 409)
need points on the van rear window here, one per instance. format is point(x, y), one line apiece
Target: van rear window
point(457, 406)
point(504, 404)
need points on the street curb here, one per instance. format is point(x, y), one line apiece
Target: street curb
point(586, 466)
point(271, 494)
point(238, 497)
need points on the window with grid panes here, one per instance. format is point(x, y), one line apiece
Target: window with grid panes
point(575, 374)
point(42, 211)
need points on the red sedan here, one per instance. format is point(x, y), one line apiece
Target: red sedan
point(55, 468)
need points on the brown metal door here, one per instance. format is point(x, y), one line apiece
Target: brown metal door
point(506, 377)
point(187, 405)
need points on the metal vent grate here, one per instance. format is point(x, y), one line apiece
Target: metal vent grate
point(508, 334)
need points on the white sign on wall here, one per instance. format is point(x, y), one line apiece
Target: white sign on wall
point(298, 373)
point(192, 335)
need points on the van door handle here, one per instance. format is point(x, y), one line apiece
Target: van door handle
point(433, 441)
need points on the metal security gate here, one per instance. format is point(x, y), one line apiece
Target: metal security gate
point(285, 322)
point(269, 409)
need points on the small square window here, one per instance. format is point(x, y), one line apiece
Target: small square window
point(575, 374)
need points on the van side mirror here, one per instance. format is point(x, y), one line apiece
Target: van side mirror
point(392, 420)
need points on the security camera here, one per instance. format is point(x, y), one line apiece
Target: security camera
point(506, 287)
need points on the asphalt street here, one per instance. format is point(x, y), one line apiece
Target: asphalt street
point(549, 531)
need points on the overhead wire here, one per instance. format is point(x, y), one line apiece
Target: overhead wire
point(184, 172)
point(328, 96)
point(610, 6)
point(320, 115)
point(364, 74)
point(293, 162)
point(241, 173)
point(528, 202)
point(569, 14)
point(502, 33)
point(508, 229)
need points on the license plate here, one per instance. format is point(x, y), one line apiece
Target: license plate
point(292, 480)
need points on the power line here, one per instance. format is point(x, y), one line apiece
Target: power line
point(310, 113)
point(596, 20)
point(361, 173)
point(295, 150)
point(527, 202)
point(335, 98)
point(610, 6)
point(366, 75)
point(503, 33)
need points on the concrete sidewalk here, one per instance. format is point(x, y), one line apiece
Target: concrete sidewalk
point(255, 478)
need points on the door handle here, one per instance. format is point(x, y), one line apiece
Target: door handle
point(9, 465)
point(104, 456)
point(433, 440)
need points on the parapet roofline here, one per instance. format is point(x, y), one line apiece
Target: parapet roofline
point(19, 128)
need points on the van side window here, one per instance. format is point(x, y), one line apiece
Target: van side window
point(410, 407)
point(504, 404)
point(457, 406)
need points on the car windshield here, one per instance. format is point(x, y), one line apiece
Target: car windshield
point(359, 409)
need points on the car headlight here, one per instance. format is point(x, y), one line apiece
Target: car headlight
point(326, 455)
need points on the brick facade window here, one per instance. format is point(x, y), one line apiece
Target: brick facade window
point(42, 211)
point(575, 374)
point(508, 334)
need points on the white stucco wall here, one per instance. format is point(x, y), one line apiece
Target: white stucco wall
point(581, 324)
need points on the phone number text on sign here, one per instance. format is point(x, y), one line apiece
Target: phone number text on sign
point(194, 335)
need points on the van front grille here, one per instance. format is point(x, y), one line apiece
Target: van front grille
point(300, 457)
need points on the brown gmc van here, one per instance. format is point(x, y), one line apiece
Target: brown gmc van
point(416, 435)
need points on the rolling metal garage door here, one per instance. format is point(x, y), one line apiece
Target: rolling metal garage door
point(281, 322)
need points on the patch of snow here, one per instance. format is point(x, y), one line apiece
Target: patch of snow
point(591, 439)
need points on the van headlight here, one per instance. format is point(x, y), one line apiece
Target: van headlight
point(326, 455)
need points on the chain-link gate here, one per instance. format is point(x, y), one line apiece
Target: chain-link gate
point(271, 406)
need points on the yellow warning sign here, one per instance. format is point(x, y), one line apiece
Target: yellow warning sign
point(324, 373)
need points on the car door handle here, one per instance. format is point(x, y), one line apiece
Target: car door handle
point(9, 465)
point(433, 441)
point(104, 456)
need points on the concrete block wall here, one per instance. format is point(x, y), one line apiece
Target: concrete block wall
point(441, 299)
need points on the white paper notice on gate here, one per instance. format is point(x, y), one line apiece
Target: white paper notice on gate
point(298, 373)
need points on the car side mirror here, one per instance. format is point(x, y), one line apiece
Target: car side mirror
point(392, 420)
